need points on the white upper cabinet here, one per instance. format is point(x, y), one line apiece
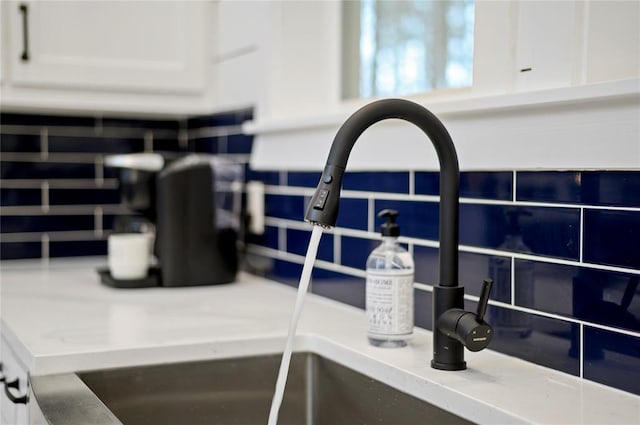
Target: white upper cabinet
point(239, 53)
point(142, 56)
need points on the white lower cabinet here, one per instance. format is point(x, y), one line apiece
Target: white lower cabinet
point(13, 407)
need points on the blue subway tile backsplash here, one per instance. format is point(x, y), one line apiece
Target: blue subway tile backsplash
point(59, 199)
point(612, 237)
point(542, 340)
point(239, 143)
point(211, 145)
point(355, 251)
point(612, 358)
point(393, 182)
point(45, 223)
point(339, 286)
point(473, 269)
point(303, 179)
point(94, 145)
point(12, 197)
point(350, 215)
point(20, 250)
point(598, 296)
point(613, 188)
point(561, 246)
point(558, 245)
point(88, 196)
point(44, 170)
point(129, 123)
point(298, 241)
point(285, 206)
point(72, 248)
point(416, 219)
point(473, 184)
point(39, 121)
point(20, 143)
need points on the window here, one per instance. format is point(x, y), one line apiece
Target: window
point(406, 47)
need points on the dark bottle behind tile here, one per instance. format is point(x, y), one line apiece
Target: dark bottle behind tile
point(508, 322)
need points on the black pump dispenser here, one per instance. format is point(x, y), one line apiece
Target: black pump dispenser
point(389, 227)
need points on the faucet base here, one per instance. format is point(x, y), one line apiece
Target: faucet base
point(448, 353)
point(449, 366)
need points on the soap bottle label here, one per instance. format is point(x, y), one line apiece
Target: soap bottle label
point(389, 302)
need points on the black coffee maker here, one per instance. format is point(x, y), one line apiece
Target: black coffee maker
point(137, 184)
point(198, 221)
point(193, 204)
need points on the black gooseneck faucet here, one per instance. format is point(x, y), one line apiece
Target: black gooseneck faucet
point(454, 328)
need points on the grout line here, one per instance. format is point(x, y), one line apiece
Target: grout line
point(58, 236)
point(99, 171)
point(388, 196)
point(412, 182)
point(581, 350)
point(223, 144)
point(555, 316)
point(74, 158)
point(44, 239)
point(44, 143)
point(300, 259)
point(371, 214)
point(96, 131)
point(44, 194)
point(148, 141)
point(275, 221)
point(183, 138)
point(36, 210)
point(303, 225)
point(98, 222)
point(581, 235)
point(283, 179)
point(513, 281)
point(99, 124)
point(282, 239)
point(207, 132)
point(337, 248)
point(58, 183)
point(549, 260)
point(423, 287)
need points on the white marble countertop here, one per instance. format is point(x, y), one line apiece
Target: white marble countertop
point(59, 318)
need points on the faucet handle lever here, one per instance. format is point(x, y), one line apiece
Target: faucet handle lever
point(484, 299)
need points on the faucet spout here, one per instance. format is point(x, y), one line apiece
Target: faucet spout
point(323, 209)
point(453, 328)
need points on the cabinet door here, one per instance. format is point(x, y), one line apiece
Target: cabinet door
point(140, 46)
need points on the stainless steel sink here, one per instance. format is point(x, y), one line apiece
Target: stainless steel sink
point(233, 391)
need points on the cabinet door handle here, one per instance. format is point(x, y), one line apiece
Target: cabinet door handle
point(24, 10)
point(15, 384)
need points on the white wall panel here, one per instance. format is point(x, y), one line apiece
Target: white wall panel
point(598, 132)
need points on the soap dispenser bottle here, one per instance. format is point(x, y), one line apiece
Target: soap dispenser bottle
point(389, 288)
